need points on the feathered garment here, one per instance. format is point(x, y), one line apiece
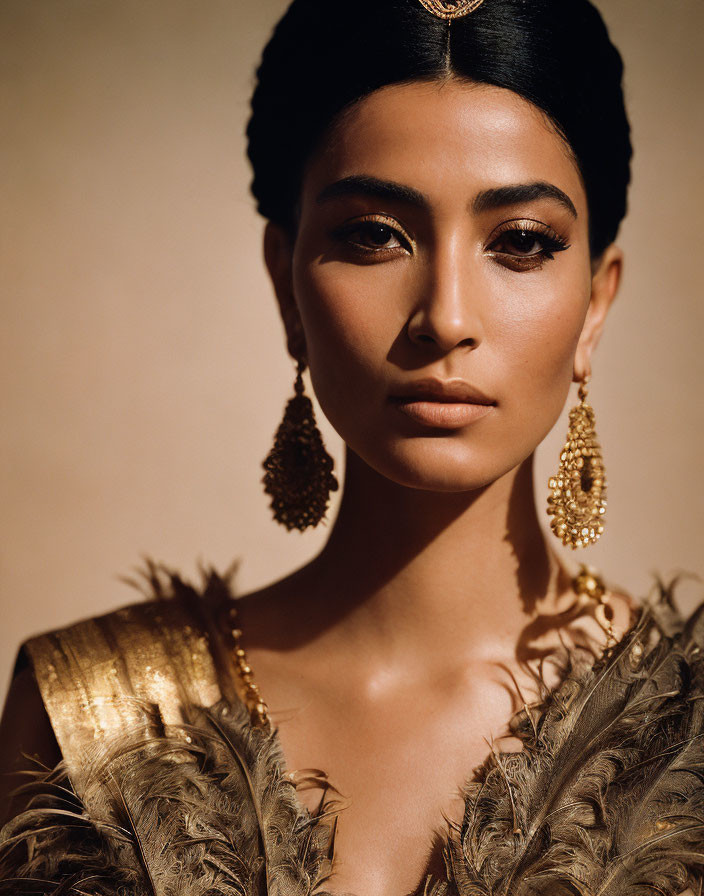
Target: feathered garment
point(167, 788)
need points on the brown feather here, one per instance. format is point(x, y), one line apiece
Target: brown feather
point(607, 796)
point(175, 818)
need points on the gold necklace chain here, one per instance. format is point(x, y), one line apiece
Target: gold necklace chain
point(258, 710)
point(586, 583)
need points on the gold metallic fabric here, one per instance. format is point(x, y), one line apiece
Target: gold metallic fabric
point(102, 675)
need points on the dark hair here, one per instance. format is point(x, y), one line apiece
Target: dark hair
point(326, 54)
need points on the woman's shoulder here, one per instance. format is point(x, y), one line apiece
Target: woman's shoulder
point(134, 667)
point(26, 736)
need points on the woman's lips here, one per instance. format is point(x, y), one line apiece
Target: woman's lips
point(448, 404)
point(448, 415)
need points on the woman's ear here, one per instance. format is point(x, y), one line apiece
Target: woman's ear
point(278, 256)
point(606, 276)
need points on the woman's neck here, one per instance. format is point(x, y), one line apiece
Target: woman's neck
point(411, 569)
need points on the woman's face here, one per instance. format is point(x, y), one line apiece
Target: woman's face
point(441, 278)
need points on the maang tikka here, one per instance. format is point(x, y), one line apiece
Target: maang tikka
point(451, 9)
point(299, 474)
point(578, 491)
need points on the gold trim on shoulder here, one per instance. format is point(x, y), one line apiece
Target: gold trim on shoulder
point(134, 668)
point(451, 9)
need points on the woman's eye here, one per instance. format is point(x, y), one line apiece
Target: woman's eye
point(525, 244)
point(372, 236)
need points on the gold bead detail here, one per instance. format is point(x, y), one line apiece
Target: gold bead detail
point(258, 710)
point(589, 584)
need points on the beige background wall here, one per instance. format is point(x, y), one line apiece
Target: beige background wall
point(143, 368)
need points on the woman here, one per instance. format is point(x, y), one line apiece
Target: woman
point(442, 210)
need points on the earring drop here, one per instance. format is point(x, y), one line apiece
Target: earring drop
point(298, 470)
point(577, 493)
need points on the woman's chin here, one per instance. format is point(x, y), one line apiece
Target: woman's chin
point(444, 484)
point(433, 470)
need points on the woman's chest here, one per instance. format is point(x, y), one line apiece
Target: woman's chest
point(399, 768)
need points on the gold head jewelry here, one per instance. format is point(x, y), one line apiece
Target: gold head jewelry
point(577, 493)
point(451, 9)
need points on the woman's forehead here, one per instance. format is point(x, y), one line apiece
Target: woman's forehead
point(446, 136)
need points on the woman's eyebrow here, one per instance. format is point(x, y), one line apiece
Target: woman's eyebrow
point(366, 185)
point(494, 197)
point(512, 194)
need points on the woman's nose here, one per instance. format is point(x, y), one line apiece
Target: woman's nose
point(446, 314)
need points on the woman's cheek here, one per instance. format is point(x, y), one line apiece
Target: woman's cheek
point(345, 318)
point(543, 320)
point(535, 343)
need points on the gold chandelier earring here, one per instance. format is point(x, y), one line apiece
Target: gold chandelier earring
point(298, 470)
point(577, 499)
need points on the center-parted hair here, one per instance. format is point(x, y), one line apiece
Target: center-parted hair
point(324, 56)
